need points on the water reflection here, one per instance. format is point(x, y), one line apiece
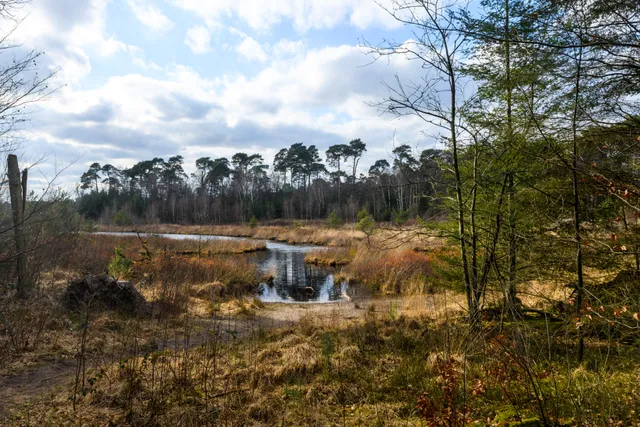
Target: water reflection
point(293, 280)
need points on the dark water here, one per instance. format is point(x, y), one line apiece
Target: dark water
point(294, 281)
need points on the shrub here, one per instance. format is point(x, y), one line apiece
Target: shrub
point(89, 226)
point(333, 220)
point(400, 217)
point(253, 222)
point(122, 219)
point(362, 214)
point(119, 265)
point(365, 223)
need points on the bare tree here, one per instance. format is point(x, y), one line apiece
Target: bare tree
point(436, 98)
point(21, 84)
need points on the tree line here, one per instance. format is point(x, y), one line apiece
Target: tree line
point(298, 185)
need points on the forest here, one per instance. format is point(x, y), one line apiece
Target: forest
point(299, 185)
point(491, 279)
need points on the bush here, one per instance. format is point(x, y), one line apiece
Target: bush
point(365, 223)
point(253, 222)
point(89, 226)
point(400, 217)
point(362, 214)
point(122, 219)
point(333, 220)
point(119, 265)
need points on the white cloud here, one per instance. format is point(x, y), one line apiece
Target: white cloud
point(138, 58)
point(70, 32)
point(198, 39)
point(288, 48)
point(249, 47)
point(150, 15)
point(304, 14)
point(317, 96)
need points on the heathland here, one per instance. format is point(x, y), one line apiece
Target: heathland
point(491, 278)
point(204, 350)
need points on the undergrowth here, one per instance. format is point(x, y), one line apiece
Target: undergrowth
point(378, 371)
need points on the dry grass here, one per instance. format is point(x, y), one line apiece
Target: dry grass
point(166, 269)
point(332, 256)
point(91, 253)
point(205, 247)
point(314, 235)
point(41, 329)
point(172, 280)
point(383, 370)
point(392, 272)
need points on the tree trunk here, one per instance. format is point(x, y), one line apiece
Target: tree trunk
point(510, 295)
point(576, 203)
point(18, 191)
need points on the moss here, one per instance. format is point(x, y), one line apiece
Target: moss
point(529, 422)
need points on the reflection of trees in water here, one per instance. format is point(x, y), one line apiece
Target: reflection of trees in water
point(299, 281)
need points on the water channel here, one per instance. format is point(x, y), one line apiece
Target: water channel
point(294, 281)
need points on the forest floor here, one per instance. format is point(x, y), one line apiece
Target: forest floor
point(381, 361)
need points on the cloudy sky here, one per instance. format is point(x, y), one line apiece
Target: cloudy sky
point(156, 78)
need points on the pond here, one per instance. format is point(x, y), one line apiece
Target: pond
point(294, 281)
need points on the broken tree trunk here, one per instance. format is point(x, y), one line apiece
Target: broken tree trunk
point(17, 190)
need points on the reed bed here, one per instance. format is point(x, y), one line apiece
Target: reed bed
point(392, 272)
point(332, 257)
point(91, 253)
point(205, 246)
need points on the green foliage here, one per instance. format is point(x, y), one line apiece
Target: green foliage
point(89, 225)
point(365, 223)
point(393, 310)
point(328, 347)
point(333, 220)
point(400, 217)
point(253, 222)
point(119, 265)
point(122, 219)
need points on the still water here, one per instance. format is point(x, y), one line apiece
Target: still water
point(294, 281)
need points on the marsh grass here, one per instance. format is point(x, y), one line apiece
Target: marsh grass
point(302, 234)
point(331, 256)
point(402, 271)
point(91, 253)
point(175, 287)
point(204, 357)
point(382, 370)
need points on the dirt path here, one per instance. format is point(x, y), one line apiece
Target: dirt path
point(38, 382)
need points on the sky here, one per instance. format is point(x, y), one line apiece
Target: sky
point(139, 79)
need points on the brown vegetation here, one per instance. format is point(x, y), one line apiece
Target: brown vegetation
point(295, 234)
point(387, 369)
point(331, 256)
point(400, 271)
